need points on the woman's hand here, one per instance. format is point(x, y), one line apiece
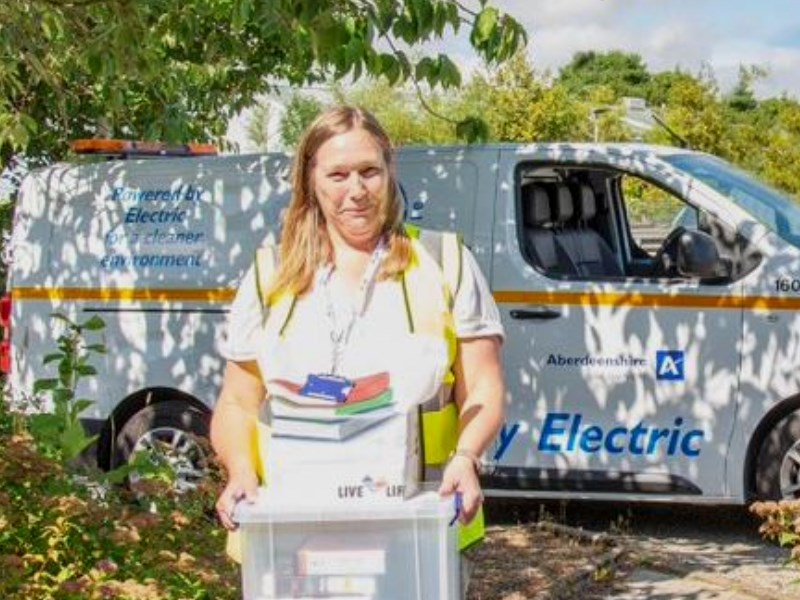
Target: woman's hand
point(461, 477)
point(233, 430)
point(240, 487)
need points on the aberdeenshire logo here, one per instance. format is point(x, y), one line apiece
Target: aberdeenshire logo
point(669, 365)
point(587, 360)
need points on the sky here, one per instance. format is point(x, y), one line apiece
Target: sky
point(723, 34)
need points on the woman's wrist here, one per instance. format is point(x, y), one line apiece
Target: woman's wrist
point(469, 455)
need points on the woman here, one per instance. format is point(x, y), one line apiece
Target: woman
point(343, 255)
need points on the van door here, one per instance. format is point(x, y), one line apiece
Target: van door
point(622, 372)
point(440, 187)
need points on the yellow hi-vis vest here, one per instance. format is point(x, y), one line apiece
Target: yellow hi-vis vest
point(428, 295)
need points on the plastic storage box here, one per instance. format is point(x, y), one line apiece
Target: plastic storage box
point(403, 550)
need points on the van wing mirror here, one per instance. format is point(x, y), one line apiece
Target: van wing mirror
point(698, 255)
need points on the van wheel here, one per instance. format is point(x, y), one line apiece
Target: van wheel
point(778, 466)
point(176, 433)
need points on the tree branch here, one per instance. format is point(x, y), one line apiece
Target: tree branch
point(463, 8)
point(428, 108)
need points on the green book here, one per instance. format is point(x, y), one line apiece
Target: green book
point(379, 401)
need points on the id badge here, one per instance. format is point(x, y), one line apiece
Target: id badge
point(327, 387)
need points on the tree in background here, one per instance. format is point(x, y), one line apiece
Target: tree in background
point(742, 98)
point(694, 111)
point(624, 72)
point(178, 71)
point(781, 163)
point(658, 90)
point(528, 108)
point(300, 111)
point(258, 125)
point(407, 119)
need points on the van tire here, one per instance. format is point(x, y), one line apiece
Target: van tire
point(778, 464)
point(175, 426)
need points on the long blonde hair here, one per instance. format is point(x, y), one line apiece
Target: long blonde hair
point(305, 244)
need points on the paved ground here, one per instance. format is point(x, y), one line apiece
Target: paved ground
point(717, 551)
point(699, 553)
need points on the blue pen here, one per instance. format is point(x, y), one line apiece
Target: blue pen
point(458, 504)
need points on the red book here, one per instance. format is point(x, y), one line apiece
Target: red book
point(368, 387)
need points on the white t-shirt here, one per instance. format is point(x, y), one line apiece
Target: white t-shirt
point(380, 340)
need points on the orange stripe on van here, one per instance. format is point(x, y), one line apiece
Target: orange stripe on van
point(635, 299)
point(213, 295)
point(226, 295)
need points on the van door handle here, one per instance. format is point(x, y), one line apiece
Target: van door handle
point(541, 312)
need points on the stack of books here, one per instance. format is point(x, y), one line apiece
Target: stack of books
point(296, 413)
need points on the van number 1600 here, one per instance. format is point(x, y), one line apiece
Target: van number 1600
point(787, 285)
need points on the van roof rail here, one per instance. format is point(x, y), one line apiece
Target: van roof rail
point(127, 148)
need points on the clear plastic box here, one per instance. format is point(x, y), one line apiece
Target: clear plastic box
point(404, 550)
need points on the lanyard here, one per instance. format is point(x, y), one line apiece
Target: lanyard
point(342, 329)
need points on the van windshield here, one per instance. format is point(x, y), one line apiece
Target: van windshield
point(775, 210)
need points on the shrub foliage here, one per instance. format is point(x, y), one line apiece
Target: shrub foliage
point(63, 539)
point(781, 524)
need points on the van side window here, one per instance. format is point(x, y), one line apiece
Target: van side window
point(657, 221)
point(602, 224)
point(558, 235)
point(652, 214)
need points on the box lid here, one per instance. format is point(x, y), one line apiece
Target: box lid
point(274, 508)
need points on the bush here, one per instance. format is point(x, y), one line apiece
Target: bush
point(781, 524)
point(63, 539)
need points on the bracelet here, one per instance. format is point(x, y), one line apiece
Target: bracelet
point(471, 456)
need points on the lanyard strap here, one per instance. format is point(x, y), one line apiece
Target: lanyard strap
point(341, 332)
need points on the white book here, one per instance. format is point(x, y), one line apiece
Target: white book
point(327, 429)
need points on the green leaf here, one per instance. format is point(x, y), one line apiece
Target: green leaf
point(62, 396)
point(328, 36)
point(358, 69)
point(99, 348)
point(385, 15)
point(472, 129)
point(41, 385)
point(118, 475)
point(404, 27)
point(61, 317)
point(788, 538)
point(448, 72)
point(80, 405)
point(94, 324)
point(426, 70)
point(453, 16)
point(65, 373)
point(405, 65)
point(423, 16)
point(241, 13)
point(84, 370)
point(73, 440)
point(51, 357)
point(485, 26)
point(390, 68)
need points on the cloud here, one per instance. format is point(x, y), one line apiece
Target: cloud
point(540, 15)
point(668, 34)
point(782, 65)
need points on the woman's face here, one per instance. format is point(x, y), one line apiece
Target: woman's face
point(350, 181)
